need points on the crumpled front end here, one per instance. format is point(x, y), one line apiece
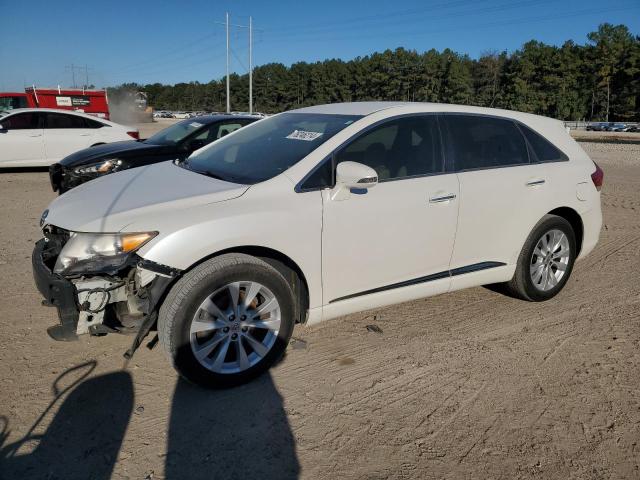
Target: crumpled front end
point(104, 299)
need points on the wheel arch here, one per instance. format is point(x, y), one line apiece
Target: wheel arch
point(288, 268)
point(573, 217)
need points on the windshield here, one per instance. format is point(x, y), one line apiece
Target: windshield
point(267, 148)
point(175, 133)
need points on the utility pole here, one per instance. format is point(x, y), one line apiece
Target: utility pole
point(250, 27)
point(608, 92)
point(228, 98)
point(250, 65)
point(73, 73)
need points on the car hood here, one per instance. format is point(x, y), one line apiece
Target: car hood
point(113, 202)
point(108, 150)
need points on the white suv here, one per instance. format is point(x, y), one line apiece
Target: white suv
point(312, 214)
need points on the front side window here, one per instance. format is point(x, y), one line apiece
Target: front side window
point(268, 147)
point(22, 121)
point(543, 150)
point(60, 120)
point(227, 128)
point(477, 141)
point(400, 148)
point(175, 134)
point(216, 131)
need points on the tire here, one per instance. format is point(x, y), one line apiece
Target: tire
point(525, 283)
point(207, 292)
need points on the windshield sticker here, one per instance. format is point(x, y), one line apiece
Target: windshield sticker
point(195, 124)
point(302, 135)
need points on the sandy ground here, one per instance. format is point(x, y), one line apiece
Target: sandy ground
point(472, 384)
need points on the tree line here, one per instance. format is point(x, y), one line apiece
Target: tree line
point(599, 80)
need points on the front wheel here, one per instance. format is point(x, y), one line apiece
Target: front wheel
point(546, 260)
point(227, 320)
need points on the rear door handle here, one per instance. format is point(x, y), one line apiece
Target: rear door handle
point(442, 198)
point(36, 135)
point(533, 183)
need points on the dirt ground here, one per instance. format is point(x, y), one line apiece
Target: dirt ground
point(472, 384)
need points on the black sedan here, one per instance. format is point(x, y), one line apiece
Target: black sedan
point(175, 142)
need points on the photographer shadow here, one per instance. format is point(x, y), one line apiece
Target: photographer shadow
point(232, 434)
point(84, 437)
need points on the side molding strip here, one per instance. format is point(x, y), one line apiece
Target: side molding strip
point(475, 267)
point(429, 278)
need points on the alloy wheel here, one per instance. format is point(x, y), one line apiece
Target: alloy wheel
point(550, 260)
point(235, 327)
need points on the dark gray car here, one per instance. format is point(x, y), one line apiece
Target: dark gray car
point(175, 142)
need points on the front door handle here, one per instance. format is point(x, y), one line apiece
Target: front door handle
point(36, 135)
point(533, 183)
point(442, 198)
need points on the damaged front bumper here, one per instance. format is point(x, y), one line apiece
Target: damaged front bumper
point(57, 292)
point(125, 301)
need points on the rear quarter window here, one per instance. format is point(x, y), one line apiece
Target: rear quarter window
point(542, 149)
point(93, 123)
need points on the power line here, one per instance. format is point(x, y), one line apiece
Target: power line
point(383, 21)
point(177, 50)
point(205, 50)
point(474, 26)
point(381, 16)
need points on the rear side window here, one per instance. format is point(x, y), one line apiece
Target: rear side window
point(542, 149)
point(21, 121)
point(476, 141)
point(60, 120)
point(400, 148)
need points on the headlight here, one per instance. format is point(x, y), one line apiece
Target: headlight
point(104, 166)
point(93, 252)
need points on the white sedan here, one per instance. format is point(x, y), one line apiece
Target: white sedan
point(34, 137)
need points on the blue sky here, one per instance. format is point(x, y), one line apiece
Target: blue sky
point(169, 41)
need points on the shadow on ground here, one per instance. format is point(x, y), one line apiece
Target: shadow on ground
point(232, 434)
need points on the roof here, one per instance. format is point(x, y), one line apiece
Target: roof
point(352, 108)
point(57, 110)
point(206, 119)
point(68, 112)
point(368, 108)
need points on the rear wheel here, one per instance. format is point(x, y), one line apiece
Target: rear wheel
point(546, 260)
point(227, 320)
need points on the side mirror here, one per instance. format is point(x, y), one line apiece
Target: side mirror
point(353, 175)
